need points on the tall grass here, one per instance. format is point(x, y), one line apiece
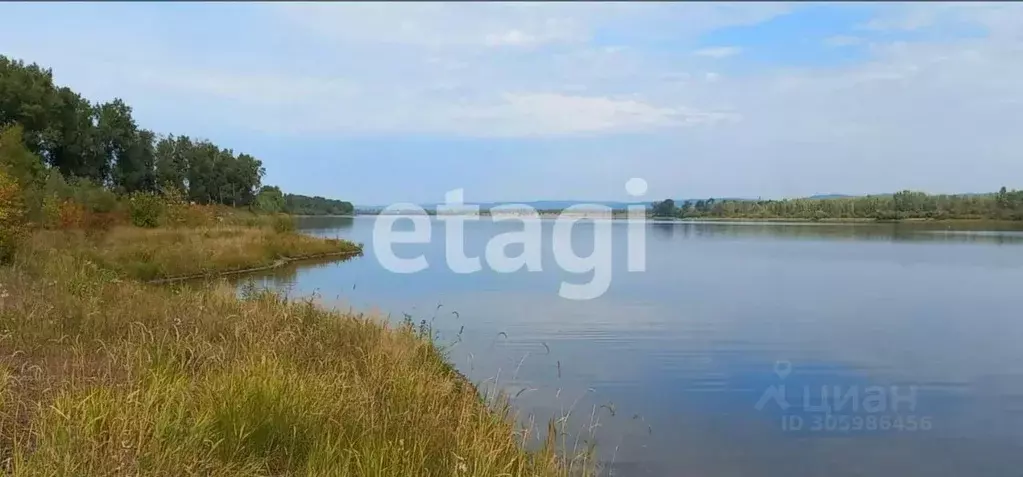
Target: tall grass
point(148, 254)
point(104, 375)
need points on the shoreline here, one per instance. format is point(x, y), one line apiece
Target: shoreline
point(845, 220)
point(273, 266)
point(793, 220)
point(107, 374)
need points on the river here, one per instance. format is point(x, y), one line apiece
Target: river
point(743, 349)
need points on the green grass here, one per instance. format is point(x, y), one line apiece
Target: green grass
point(101, 374)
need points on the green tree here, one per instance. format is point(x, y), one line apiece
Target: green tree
point(201, 172)
point(270, 199)
point(305, 205)
point(101, 150)
point(1002, 199)
point(15, 158)
point(28, 97)
point(135, 170)
point(664, 208)
point(77, 150)
point(171, 161)
point(687, 209)
point(244, 179)
point(117, 134)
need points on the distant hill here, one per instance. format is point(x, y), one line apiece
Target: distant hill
point(616, 205)
point(563, 204)
point(550, 204)
point(536, 204)
point(830, 196)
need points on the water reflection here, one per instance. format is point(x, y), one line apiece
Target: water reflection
point(986, 232)
point(325, 224)
point(682, 354)
point(285, 277)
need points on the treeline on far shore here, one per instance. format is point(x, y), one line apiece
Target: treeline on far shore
point(1002, 205)
point(71, 140)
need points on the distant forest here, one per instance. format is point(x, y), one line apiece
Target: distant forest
point(271, 198)
point(102, 145)
point(1002, 205)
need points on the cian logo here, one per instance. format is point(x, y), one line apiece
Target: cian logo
point(842, 407)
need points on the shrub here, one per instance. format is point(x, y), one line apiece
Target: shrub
point(889, 215)
point(283, 224)
point(70, 215)
point(94, 197)
point(180, 213)
point(20, 164)
point(102, 221)
point(176, 205)
point(146, 209)
point(50, 215)
point(12, 217)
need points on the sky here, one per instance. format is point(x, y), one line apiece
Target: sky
point(383, 103)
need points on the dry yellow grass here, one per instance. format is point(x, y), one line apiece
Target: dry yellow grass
point(104, 375)
point(148, 254)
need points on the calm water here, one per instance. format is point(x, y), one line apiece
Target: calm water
point(728, 314)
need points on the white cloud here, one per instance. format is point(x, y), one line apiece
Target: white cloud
point(1000, 19)
point(435, 25)
point(718, 51)
point(467, 25)
point(587, 90)
point(544, 114)
point(522, 114)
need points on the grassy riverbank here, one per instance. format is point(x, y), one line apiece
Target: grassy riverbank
point(105, 375)
point(148, 254)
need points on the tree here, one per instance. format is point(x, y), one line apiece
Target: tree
point(171, 162)
point(135, 170)
point(304, 205)
point(687, 209)
point(270, 199)
point(243, 176)
point(1002, 199)
point(665, 208)
point(201, 170)
point(28, 98)
point(117, 134)
point(15, 158)
point(102, 152)
point(216, 175)
point(77, 150)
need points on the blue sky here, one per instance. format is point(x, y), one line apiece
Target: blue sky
point(380, 103)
